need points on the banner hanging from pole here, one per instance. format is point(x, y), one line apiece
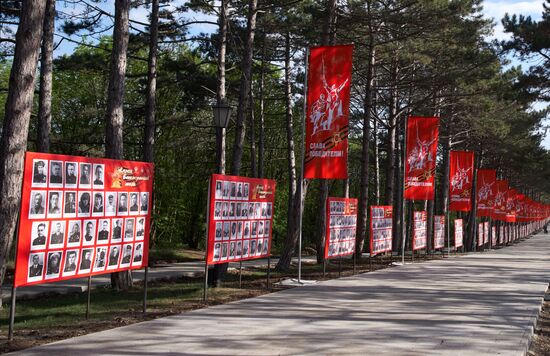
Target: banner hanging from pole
point(327, 118)
point(486, 191)
point(499, 207)
point(422, 134)
point(461, 175)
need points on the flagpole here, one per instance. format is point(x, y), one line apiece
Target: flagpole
point(301, 185)
point(404, 205)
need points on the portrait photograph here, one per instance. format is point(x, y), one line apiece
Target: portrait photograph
point(98, 176)
point(226, 230)
point(122, 204)
point(239, 230)
point(260, 228)
point(260, 246)
point(233, 230)
point(39, 173)
point(218, 231)
point(217, 210)
point(217, 247)
point(244, 210)
point(257, 210)
point(254, 231)
point(225, 210)
point(134, 203)
point(231, 210)
point(252, 251)
point(218, 192)
point(37, 204)
point(71, 262)
point(56, 174)
point(245, 191)
point(246, 229)
point(110, 203)
point(138, 255)
point(100, 262)
point(129, 225)
point(88, 227)
point(57, 234)
point(69, 208)
point(226, 189)
point(233, 191)
point(267, 228)
point(117, 230)
point(39, 235)
point(86, 260)
point(225, 248)
point(239, 195)
point(74, 233)
point(126, 256)
point(231, 250)
point(36, 267)
point(103, 231)
point(245, 248)
point(53, 264)
point(266, 247)
point(85, 179)
point(71, 174)
point(114, 257)
point(144, 203)
point(269, 210)
point(84, 204)
point(239, 252)
point(140, 229)
point(98, 207)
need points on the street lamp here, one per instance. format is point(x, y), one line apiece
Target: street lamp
point(222, 112)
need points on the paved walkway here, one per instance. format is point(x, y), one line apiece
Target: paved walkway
point(471, 305)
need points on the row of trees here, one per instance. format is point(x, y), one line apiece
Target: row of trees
point(143, 91)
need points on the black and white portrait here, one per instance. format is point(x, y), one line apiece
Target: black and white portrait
point(218, 231)
point(88, 227)
point(57, 235)
point(226, 229)
point(71, 261)
point(138, 255)
point(233, 230)
point(245, 248)
point(129, 229)
point(36, 266)
point(117, 230)
point(140, 229)
point(39, 234)
point(98, 176)
point(85, 180)
point(225, 248)
point(103, 231)
point(266, 247)
point(98, 207)
point(86, 260)
point(239, 191)
point(245, 191)
point(37, 204)
point(218, 191)
point(84, 205)
point(100, 259)
point(69, 210)
point(122, 204)
point(73, 233)
point(134, 205)
point(39, 173)
point(217, 210)
point(71, 174)
point(226, 188)
point(56, 174)
point(53, 266)
point(233, 191)
point(110, 203)
point(231, 250)
point(114, 257)
point(126, 256)
point(144, 203)
point(217, 248)
point(246, 229)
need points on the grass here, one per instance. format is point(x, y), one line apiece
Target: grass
point(159, 255)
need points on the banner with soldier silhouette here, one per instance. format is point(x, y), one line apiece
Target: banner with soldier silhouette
point(499, 204)
point(461, 175)
point(328, 95)
point(82, 216)
point(486, 191)
point(422, 135)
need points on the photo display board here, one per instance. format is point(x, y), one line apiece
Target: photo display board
point(439, 231)
point(82, 216)
point(341, 227)
point(480, 234)
point(459, 237)
point(494, 236)
point(381, 228)
point(420, 233)
point(240, 218)
point(486, 232)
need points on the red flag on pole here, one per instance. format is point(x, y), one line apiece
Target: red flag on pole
point(499, 210)
point(486, 190)
point(461, 175)
point(329, 79)
point(511, 205)
point(422, 134)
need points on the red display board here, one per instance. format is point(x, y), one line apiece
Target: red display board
point(327, 124)
point(82, 216)
point(381, 217)
point(480, 234)
point(422, 134)
point(459, 233)
point(341, 227)
point(439, 231)
point(460, 177)
point(240, 218)
point(420, 232)
point(486, 232)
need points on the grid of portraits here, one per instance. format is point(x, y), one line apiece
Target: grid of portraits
point(420, 233)
point(342, 229)
point(242, 225)
point(439, 231)
point(77, 226)
point(486, 232)
point(381, 229)
point(458, 233)
point(480, 234)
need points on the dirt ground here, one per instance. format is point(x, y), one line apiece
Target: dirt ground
point(540, 343)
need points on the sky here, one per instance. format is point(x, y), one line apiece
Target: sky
point(492, 9)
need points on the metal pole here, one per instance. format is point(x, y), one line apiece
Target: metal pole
point(340, 267)
point(145, 279)
point(301, 185)
point(205, 292)
point(354, 262)
point(240, 274)
point(89, 297)
point(268, 270)
point(404, 206)
point(324, 267)
point(12, 311)
point(370, 262)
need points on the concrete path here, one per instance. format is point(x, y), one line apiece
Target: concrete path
point(480, 304)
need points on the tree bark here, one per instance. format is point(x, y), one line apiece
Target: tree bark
point(246, 78)
point(376, 162)
point(16, 122)
point(261, 122)
point(46, 71)
point(114, 116)
point(392, 129)
point(151, 100)
point(253, 167)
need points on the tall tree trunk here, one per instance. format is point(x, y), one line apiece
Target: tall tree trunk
point(376, 162)
point(16, 121)
point(114, 116)
point(246, 78)
point(151, 100)
point(261, 122)
point(253, 167)
point(292, 232)
point(46, 71)
point(392, 129)
point(364, 183)
point(472, 221)
point(398, 223)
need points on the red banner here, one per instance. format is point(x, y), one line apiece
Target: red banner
point(341, 227)
point(459, 237)
point(499, 206)
point(327, 126)
point(420, 232)
point(486, 191)
point(240, 218)
point(461, 175)
point(511, 205)
point(380, 229)
point(422, 134)
point(439, 231)
point(82, 216)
